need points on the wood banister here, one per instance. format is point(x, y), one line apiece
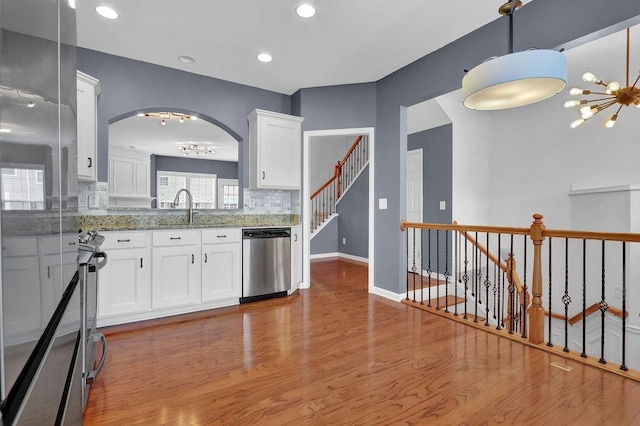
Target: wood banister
point(353, 147)
point(337, 172)
point(327, 183)
point(589, 311)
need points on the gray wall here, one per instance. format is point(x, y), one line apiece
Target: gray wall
point(353, 218)
point(441, 72)
point(437, 164)
point(129, 86)
point(222, 169)
point(336, 107)
point(326, 241)
point(324, 153)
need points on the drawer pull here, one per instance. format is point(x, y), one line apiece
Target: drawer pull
point(72, 244)
point(90, 162)
point(175, 238)
point(48, 271)
point(140, 262)
point(193, 258)
point(124, 241)
point(205, 258)
point(222, 236)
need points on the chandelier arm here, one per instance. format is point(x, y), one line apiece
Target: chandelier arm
point(604, 106)
point(635, 82)
point(609, 99)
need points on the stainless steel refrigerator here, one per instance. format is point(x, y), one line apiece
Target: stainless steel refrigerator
point(40, 319)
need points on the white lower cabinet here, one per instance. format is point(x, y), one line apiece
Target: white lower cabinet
point(125, 281)
point(296, 257)
point(175, 276)
point(221, 264)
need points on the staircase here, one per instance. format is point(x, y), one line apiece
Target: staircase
point(324, 200)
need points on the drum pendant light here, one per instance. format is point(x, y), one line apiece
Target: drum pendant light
point(515, 79)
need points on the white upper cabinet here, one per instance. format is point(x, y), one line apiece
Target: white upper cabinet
point(88, 91)
point(275, 141)
point(129, 179)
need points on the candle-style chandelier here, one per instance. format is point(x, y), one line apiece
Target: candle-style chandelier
point(196, 150)
point(165, 116)
point(613, 94)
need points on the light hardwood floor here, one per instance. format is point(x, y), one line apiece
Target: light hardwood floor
point(334, 354)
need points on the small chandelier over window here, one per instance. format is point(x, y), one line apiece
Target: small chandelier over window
point(196, 150)
point(165, 116)
point(613, 94)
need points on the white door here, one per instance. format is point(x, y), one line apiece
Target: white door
point(414, 208)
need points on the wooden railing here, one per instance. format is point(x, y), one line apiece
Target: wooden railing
point(324, 199)
point(581, 273)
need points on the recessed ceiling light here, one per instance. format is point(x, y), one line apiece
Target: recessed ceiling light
point(306, 11)
point(264, 57)
point(186, 59)
point(107, 12)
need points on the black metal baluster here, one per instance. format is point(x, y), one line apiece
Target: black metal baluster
point(438, 268)
point(465, 277)
point(549, 342)
point(413, 261)
point(456, 273)
point(476, 278)
point(487, 284)
point(512, 298)
point(429, 267)
point(584, 299)
point(623, 365)
point(566, 299)
point(494, 290)
point(603, 306)
point(421, 267)
point(523, 310)
point(408, 265)
point(500, 324)
point(446, 271)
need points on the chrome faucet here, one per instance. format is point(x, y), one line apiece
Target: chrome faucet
point(176, 201)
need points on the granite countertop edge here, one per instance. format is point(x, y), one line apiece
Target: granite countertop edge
point(151, 223)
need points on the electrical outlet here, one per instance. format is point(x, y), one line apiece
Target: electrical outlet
point(443, 205)
point(344, 240)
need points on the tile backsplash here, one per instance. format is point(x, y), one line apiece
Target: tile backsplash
point(261, 201)
point(93, 199)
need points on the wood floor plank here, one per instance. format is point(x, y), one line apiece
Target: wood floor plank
point(334, 354)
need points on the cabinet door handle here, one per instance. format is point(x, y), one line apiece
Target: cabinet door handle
point(90, 162)
point(295, 237)
point(175, 238)
point(140, 262)
point(124, 241)
point(48, 271)
point(193, 258)
point(262, 175)
point(72, 244)
point(222, 236)
point(205, 258)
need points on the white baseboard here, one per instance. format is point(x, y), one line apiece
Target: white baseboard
point(388, 294)
point(339, 255)
point(322, 255)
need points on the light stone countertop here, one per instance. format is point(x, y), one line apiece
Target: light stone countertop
point(177, 219)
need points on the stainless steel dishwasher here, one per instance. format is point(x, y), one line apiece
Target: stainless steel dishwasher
point(266, 263)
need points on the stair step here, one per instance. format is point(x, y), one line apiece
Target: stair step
point(448, 300)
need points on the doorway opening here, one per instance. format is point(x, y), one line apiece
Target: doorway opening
point(317, 137)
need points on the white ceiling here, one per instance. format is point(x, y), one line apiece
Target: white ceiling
point(347, 41)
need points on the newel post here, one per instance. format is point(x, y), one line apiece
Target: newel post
point(536, 317)
point(337, 172)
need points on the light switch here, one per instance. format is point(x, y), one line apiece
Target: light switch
point(443, 205)
point(382, 203)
